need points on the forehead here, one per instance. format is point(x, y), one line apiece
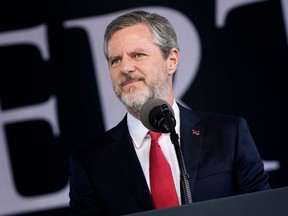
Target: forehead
point(140, 27)
point(139, 33)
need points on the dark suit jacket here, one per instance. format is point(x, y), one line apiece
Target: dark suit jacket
point(220, 157)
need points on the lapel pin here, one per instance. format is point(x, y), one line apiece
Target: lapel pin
point(196, 132)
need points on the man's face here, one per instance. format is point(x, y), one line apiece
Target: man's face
point(137, 67)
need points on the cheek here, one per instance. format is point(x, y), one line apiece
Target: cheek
point(114, 77)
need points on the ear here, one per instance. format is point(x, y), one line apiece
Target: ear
point(173, 60)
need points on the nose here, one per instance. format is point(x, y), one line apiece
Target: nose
point(127, 65)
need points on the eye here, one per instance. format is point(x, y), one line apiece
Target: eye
point(114, 61)
point(138, 55)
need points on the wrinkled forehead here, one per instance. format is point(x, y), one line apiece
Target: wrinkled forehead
point(136, 35)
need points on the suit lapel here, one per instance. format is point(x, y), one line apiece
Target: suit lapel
point(191, 137)
point(126, 158)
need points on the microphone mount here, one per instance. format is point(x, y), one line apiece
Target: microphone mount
point(184, 177)
point(157, 115)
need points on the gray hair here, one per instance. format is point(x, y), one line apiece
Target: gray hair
point(164, 34)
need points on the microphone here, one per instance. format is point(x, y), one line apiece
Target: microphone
point(156, 115)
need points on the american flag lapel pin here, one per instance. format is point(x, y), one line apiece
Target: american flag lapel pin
point(196, 132)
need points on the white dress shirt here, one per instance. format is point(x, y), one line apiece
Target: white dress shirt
point(141, 141)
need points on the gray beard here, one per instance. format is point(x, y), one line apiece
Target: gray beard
point(157, 89)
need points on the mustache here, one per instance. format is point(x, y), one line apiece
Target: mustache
point(131, 77)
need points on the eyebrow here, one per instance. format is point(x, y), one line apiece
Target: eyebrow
point(113, 57)
point(137, 50)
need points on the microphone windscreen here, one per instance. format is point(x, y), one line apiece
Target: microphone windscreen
point(150, 110)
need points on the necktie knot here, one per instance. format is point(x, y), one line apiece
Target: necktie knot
point(154, 135)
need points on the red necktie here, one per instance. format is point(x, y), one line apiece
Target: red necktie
point(161, 180)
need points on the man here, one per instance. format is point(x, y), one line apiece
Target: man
point(111, 175)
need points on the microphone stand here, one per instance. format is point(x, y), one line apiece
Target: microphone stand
point(184, 177)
